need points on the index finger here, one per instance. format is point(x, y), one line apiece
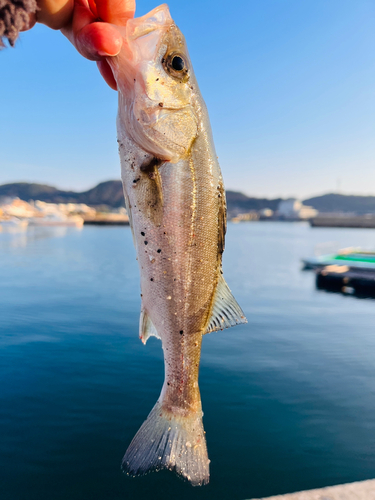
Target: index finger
point(115, 11)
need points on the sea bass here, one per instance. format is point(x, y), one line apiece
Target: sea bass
point(175, 199)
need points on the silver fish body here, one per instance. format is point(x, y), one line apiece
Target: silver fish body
point(176, 202)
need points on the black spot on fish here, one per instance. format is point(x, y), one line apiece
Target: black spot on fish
point(152, 279)
point(159, 250)
point(146, 242)
point(142, 233)
point(181, 332)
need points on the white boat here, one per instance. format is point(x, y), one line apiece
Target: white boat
point(56, 220)
point(13, 223)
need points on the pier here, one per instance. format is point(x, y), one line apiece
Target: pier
point(360, 221)
point(107, 219)
point(344, 279)
point(364, 490)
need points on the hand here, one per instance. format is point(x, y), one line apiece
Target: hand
point(88, 24)
point(98, 40)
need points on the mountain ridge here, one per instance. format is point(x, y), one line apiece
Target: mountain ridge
point(110, 193)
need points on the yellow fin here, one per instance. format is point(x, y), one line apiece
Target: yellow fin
point(226, 311)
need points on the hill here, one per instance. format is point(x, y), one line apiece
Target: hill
point(239, 202)
point(26, 191)
point(343, 203)
point(106, 193)
point(110, 193)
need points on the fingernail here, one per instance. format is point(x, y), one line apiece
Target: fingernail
point(102, 53)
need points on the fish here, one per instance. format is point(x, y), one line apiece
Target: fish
point(175, 200)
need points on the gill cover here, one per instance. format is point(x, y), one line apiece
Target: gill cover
point(153, 73)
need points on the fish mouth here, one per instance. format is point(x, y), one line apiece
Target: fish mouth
point(157, 19)
point(143, 37)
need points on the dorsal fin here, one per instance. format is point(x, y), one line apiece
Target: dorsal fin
point(225, 312)
point(146, 327)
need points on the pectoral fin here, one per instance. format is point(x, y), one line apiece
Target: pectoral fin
point(146, 327)
point(225, 312)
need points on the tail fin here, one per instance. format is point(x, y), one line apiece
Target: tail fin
point(168, 441)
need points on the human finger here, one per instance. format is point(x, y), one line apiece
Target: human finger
point(54, 13)
point(97, 40)
point(115, 11)
point(82, 16)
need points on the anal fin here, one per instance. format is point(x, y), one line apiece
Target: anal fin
point(226, 311)
point(146, 327)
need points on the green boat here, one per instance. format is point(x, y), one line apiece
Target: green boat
point(354, 258)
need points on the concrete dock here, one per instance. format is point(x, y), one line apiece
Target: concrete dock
point(364, 490)
point(362, 221)
point(355, 281)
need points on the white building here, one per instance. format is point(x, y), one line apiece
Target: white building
point(294, 209)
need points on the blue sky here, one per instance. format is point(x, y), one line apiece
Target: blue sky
point(289, 84)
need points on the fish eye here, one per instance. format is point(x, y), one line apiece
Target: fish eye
point(178, 63)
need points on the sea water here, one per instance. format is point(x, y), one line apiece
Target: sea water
point(288, 399)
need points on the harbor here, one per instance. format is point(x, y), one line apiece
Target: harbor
point(17, 214)
point(103, 204)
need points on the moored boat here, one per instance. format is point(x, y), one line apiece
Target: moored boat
point(354, 258)
point(57, 220)
point(13, 223)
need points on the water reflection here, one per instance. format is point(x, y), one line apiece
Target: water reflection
point(19, 237)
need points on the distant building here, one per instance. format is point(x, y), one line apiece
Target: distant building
point(293, 209)
point(265, 213)
point(14, 207)
point(246, 217)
